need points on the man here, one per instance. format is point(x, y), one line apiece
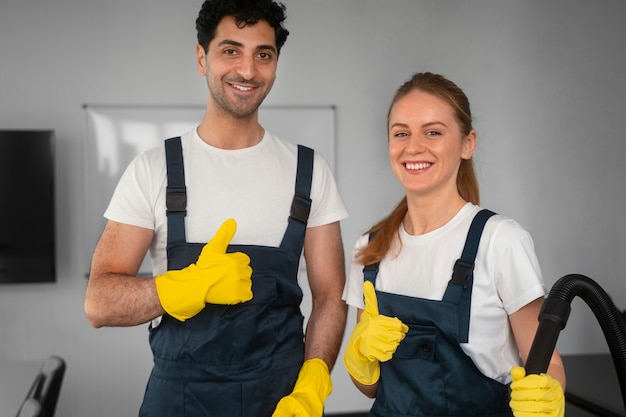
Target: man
point(226, 330)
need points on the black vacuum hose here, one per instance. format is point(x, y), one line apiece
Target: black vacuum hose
point(555, 312)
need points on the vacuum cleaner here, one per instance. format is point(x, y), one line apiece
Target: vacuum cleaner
point(553, 318)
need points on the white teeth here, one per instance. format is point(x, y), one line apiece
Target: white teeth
point(241, 88)
point(421, 165)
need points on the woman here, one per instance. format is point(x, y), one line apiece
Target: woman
point(447, 293)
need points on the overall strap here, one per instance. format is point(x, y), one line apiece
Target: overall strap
point(293, 239)
point(459, 289)
point(176, 192)
point(371, 271)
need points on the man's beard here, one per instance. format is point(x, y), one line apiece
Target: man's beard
point(241, 108)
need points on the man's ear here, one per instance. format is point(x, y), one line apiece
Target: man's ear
point(201, 60)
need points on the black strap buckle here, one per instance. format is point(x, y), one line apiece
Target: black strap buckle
point(176, 199)
point(300, 208)
point(461, 272)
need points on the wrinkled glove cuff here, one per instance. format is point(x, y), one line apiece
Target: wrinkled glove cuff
point(177, 302)
point(309, 393)
point(360, 368)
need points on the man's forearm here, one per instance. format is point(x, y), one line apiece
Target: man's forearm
point(119, 300)
point(325, 329)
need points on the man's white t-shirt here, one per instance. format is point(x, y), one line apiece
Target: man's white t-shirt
point(255, 186)
point(506, 277)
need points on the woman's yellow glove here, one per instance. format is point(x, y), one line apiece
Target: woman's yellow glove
point(310, 392)
point(217, 277)
point(535, 395)
point(374, 339)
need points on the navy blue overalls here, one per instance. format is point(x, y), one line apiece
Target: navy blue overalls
point(429, 374)
point(234, 360)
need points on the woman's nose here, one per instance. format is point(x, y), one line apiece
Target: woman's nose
point(415, 145)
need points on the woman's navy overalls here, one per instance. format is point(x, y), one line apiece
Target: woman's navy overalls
point(429, 374)
point(231, 360)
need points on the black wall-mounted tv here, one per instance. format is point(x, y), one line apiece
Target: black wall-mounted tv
point(27, 214)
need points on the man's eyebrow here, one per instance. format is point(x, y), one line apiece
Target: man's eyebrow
point(230, 42)
point(240, 45)
point(267, 47)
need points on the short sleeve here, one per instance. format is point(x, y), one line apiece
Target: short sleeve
point(328, 206)
point(518, 276)
point(135, 196)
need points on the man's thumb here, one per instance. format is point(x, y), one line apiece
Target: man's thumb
point(222, 237)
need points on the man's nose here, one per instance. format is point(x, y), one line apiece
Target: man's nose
point(247, 67)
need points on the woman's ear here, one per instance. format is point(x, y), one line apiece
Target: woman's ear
point(469, 145)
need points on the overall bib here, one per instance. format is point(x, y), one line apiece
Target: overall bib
point(231, 360)
point(429, 374)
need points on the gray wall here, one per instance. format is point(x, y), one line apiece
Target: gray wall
point(546, 80)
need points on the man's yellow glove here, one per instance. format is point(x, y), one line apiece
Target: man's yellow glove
point(217, 277)
point(374, 339)
point(535, 395)
point(309, 394)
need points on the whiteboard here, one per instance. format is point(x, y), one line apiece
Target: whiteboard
point(115, 134)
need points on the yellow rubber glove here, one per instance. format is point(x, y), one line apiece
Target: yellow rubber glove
point(374, 339)
point(217, 277)
point(535, 395)
point(309, 394)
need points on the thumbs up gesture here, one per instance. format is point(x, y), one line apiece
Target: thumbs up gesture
point(217, 277)
point(374, 339)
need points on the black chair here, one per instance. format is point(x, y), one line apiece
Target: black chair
point(53, 371)
point(31, 407)
point(41, 399)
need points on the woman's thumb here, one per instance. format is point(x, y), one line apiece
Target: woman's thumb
point(371, 304)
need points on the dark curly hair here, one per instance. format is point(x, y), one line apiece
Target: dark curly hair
point(246, 12)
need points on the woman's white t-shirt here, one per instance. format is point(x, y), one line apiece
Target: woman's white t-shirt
point(506, 277)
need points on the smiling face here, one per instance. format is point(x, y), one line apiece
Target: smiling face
point(239, 66)
point(426, 145)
